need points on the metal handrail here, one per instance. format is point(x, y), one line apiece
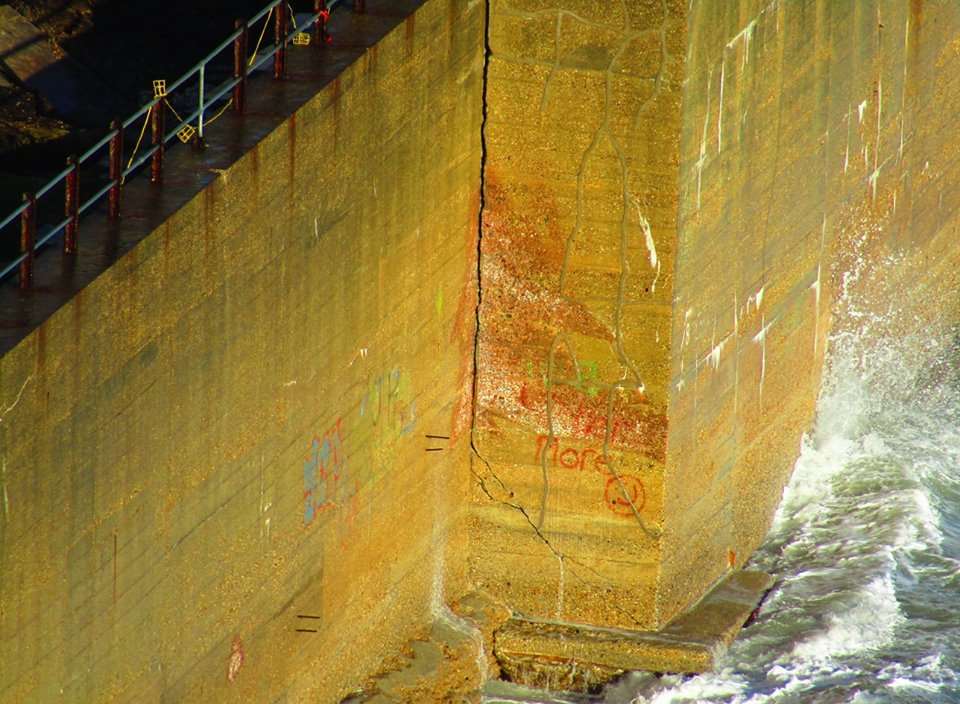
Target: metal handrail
point(153, 112)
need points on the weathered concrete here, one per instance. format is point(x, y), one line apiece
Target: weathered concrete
point(572, 658)
point(263, 408)
point(674, 192)
point(580, 222)
point(449, 663)
point(221, 439)
point(815, 156)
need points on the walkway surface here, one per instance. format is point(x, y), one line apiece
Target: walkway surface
point(145, 206)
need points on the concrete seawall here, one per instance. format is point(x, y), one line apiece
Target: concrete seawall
point(814, 159)
point(253, 459)
point(677, 196)
point(221, 440)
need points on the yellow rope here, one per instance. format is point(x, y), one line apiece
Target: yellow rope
point(293, 16)
point(222, 110)
point(206, 123)
point(143, 131)
point(173, 110)
point(146, 120)
point(266, 23)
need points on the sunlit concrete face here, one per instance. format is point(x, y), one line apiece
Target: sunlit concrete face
point(579, 240)
point(255, 458)
point(215, 477)
point(817, 160)
point(673, 194)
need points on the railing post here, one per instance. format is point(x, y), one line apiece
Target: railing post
point(360, 6)
point(280, 33)
point(320, 25)
point(28, 234)
point(116, 169)
point(203, 71)
point(71, 205)
point(240, 67)
point(156, 128)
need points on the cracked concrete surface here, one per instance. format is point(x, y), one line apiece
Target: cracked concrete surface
point(659, 237)
point(578, 235)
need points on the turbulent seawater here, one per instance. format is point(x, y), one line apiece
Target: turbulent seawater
point(865, 547)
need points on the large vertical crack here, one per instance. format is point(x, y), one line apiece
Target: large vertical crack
point(480, 212)
point(507, 496)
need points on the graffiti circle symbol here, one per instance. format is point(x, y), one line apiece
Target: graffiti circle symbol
point(623, 499)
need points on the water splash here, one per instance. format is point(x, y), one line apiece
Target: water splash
point(866, 541)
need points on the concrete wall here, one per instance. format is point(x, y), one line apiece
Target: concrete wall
point(817, 154)
point(773, 148)
point(226, 430)
point(579, 232)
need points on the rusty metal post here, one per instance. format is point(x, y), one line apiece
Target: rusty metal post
point(71, 205)
point(360, 6)
point(28, 235)
point(240, 67)
point(116, 169)
point(320, 26)
point(156, 129)
point(280, 32)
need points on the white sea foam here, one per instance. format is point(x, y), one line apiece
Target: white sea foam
point(866, 541)
point(867, 532)
point(870, 623)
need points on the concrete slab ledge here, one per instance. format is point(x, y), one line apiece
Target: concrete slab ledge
point(581, 658)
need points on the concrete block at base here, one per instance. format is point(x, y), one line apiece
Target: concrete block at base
point(576, 658)
point(449, 663)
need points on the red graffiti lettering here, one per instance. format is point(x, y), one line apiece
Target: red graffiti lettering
point(568, 457)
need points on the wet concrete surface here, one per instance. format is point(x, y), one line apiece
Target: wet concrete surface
point(187, 170)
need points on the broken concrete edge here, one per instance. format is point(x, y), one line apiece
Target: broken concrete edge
point(449, 660)
point(451, 657)
point(583, 658)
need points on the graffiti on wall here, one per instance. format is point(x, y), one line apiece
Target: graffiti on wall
point(586, 416)
point(585, 376)
point(388, 403)
point(387, 413)
point(324, 473)
point(568, 457)
point(622, 493)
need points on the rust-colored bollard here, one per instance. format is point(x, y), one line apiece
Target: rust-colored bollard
point(116, 169)
point(28, 235)
point(71, 205)
point(280, 40)
point(360, 6)
point(240, 67)
point(320, 36)
point(156, 129)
